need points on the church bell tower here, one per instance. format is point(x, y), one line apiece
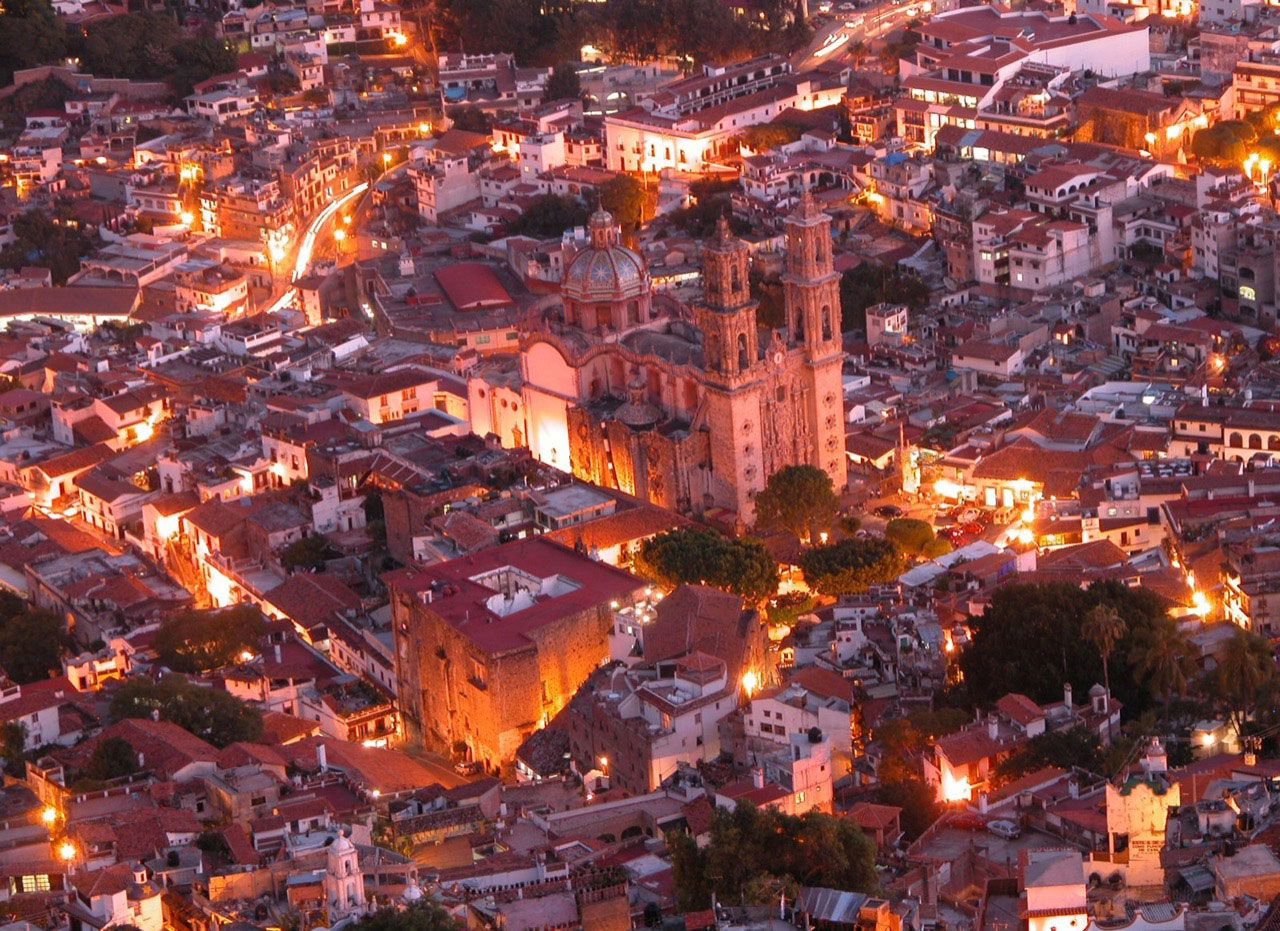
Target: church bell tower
point(727, 314)
point(811, 294)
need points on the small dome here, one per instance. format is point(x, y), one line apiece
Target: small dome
point(412, 893)
point(636, 412)
point(606, 270)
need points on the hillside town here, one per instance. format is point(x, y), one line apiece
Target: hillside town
point(520, 465)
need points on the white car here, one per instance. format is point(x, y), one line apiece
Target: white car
point(1009, 830)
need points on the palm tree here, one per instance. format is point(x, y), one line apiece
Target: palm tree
point(1245, 677)
point(1104, 628)
point(1162, 657)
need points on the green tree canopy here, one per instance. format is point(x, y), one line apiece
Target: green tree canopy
point(31, 34)
point(691, 555)
point(471, 119)
point(769, 135)
point(46, 244)
point(563, 84)
point(851, 566)
point(198, 641)
point(420, 916)
point(1064, 748)
point(624, 197)
point(872, 283)
point(1245, 679)
point(754, 849)
point(31, 640)
point(915, 537)
point(1225, 141)
point(311, 552)
point(112, 758)
point(800, 499)
point(211, 714)
point(1047, 621)
point(549, 215)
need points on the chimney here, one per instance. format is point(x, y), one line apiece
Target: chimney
point(277, 652)
point(757, 778)
point(1073, 786)
point(1066, 696)
point(322, 760)
point(982, 802)
point(993, 727)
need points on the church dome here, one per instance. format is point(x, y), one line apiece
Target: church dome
point(636, 412)
point(606, 270)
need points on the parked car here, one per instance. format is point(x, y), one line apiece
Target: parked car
point(888, 510)
point(1009, 830)
point(469, 768)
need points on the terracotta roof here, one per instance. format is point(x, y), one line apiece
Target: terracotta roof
point(1020, 708)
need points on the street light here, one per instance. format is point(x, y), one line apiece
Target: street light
point(339, 235)
point(49, 815)
point(386, 158)
point(67, 851)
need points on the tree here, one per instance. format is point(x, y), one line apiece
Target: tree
point(549, 215)
point(904, 740)
point(199, 641)
point(1244, 678)
point(915, 537)
point(211, 714)
point(800, 499)
point(872, 283)
point(200, 58)
point(563, 84)
point(13, 747)
point(112, 758)
point(1225, 141)
point(1104, 628)
point(765, 136)
point(1046, 621)
point(1063, 748)
point(31, 642)
point(755, 852)
point(311, 552)
point(420, 916)
point(132, 45)
point(1161, 655)
point(851, 566)
point(30, 34)
point(45, 244)
point(704, 557)
point(624, 197)
point(471, 119)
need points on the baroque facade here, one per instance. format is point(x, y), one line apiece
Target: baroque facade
point(690, 414)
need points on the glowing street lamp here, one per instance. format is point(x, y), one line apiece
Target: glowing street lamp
point(339, 234)
point(67, 851)
point(750, 682)
point(49, 815)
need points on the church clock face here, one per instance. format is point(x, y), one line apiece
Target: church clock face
point(777, 357)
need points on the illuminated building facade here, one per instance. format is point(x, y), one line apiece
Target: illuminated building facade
point(491, 646)
point(691, 416)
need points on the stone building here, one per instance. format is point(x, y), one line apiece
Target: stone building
point(491, 646)
point(693, 415)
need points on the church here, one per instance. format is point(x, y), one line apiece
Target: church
point(690, 413)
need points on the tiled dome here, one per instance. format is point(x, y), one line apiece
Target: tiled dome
point(606, 270)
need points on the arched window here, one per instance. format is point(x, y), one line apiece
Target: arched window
point(633, 312)
point(1273, 442)
point(743, 357)
point(735, 277)
point(797, 333)
point(1235, 440)
point(826, 323)
point(1255, 441)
